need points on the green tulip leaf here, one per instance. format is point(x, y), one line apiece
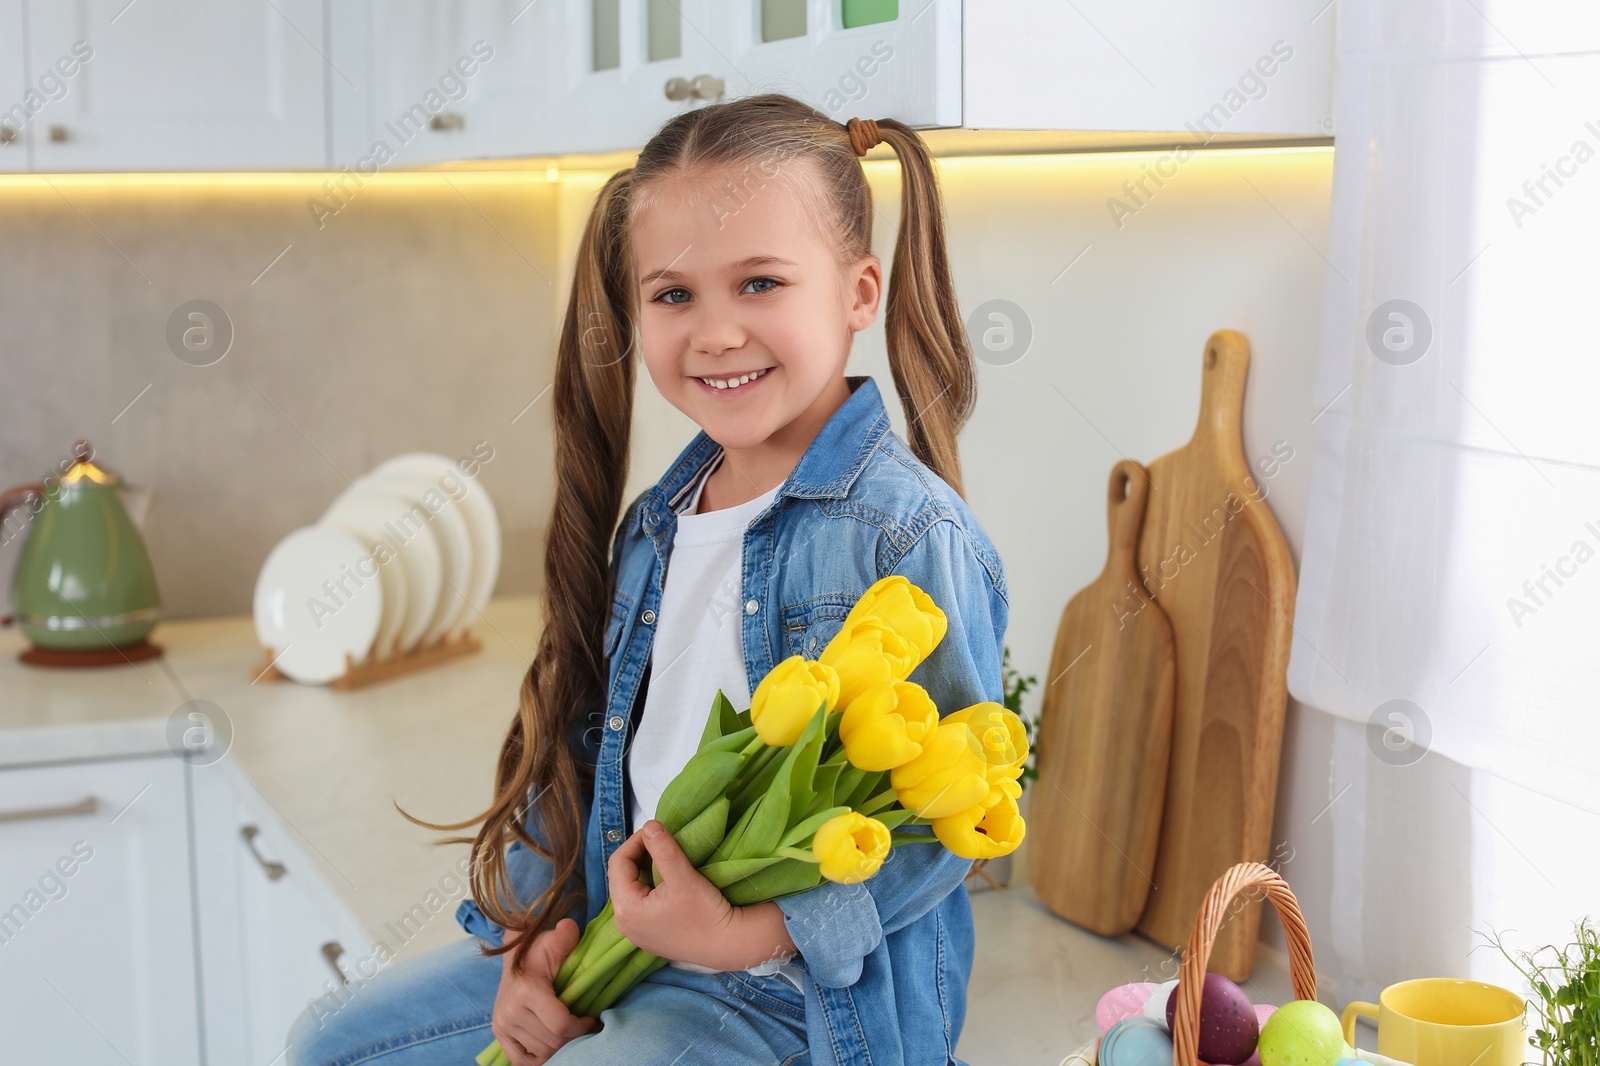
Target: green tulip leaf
point(784, 877)
point(704, 779)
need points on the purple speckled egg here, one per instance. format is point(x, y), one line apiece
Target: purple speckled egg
point(1228, 1026)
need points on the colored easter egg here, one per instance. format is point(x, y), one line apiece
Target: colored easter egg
point(1135, 1041)
point(1124, 1001)
point(1228, 1026)
point(1303, 1033)
point(1263, 1012)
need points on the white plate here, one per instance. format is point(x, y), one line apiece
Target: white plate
point(364, 516)
point(420, 559)
point(314, 605)
point(483, 523)
point(455, 544)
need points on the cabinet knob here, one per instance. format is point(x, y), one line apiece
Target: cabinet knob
point(677, 89)
point(7, 134)
point(445, 121)
point(58, 134)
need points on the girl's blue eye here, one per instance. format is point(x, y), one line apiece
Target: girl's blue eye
point(775, 283)
point(662, 298)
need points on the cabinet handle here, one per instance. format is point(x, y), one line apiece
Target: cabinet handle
point(58, 134)
point(331, 952)
point(7, 134)
point(445, 121)
point(271, 867)
point(703, 87)
point(87, 805)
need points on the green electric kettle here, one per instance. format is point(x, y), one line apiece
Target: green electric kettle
point(84, 591)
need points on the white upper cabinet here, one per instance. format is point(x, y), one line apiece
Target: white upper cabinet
point(16, 120)
point(368, 85)
point(627, 66)
point(180, 84)
point(852, 58)
point(436, 80)
point(1232, 67)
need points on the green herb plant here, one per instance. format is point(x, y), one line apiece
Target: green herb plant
point(1566, 996)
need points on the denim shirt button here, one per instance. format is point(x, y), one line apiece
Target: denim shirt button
point(648, 617)
point(613, 835)
point(616, 721)
point(751, 606)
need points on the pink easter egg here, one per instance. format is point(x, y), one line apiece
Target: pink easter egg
point(1121, 1002)
point(1263, 1012)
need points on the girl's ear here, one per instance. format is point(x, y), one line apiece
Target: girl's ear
point(863, 290)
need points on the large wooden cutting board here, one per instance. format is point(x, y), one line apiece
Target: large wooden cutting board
point(1216, 562)
point(1104, 729)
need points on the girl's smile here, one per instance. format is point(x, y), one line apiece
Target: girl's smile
point(735, 384)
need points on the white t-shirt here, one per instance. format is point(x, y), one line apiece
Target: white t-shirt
point(698, 649)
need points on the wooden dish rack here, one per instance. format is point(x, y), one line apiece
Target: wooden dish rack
point(374, 669)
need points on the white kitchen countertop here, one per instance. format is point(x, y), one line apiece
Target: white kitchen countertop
point(333, 764)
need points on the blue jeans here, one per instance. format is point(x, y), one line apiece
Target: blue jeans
point(435, 1009)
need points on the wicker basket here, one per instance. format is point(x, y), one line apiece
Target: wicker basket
point(1207, 924)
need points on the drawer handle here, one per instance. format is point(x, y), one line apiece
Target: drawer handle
point(331, 951)
point(87, 805)
point(271, 867)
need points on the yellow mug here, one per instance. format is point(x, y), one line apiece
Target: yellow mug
point(1442, 1021)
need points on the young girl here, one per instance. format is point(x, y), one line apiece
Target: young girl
point(735, 258)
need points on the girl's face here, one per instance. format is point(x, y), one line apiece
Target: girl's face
point(746, 316)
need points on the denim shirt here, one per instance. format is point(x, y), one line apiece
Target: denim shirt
point(887, 960)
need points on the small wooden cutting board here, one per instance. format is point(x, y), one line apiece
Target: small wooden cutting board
point(1105, 729)
point(1216, 562)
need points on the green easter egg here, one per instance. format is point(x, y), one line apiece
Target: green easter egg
point(1302, 1033)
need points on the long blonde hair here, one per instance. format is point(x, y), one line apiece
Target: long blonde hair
point(933, 372)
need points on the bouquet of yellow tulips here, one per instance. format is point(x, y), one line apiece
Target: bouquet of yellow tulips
point(811, 782)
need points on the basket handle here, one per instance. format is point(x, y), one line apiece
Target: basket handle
point(1208, 923)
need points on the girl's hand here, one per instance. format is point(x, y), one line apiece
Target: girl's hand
point(684, 918)
point(529, 1020)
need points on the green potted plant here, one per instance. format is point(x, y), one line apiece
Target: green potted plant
point(995, 873)
point(1565, 984)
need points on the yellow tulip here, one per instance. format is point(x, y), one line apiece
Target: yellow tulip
point(788, 696)
point(948, 777)
point(982, 832)
point(867, 653)
point(851, 847)
point(1001, 737)
point(886, 725)
point(899, 605)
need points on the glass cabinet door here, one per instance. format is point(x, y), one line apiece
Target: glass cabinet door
point(869, 58)
point(630, 65)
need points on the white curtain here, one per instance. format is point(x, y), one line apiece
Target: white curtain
point(1449, 602)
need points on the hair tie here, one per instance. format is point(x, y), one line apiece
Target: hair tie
point(864, 134)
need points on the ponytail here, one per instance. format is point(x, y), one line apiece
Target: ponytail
point(593, 403)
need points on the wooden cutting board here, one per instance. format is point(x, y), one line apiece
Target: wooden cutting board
point(1105, 727)
point(1216, 562)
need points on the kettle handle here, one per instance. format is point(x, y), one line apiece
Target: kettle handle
point(18, 496)
point(15, 498)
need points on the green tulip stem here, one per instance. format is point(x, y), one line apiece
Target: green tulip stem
point(599, 971)
point(878, 802)
point(803, 854)
point(487, 1056)
point(591, 933)
point(640, 964)
point(754, 746)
